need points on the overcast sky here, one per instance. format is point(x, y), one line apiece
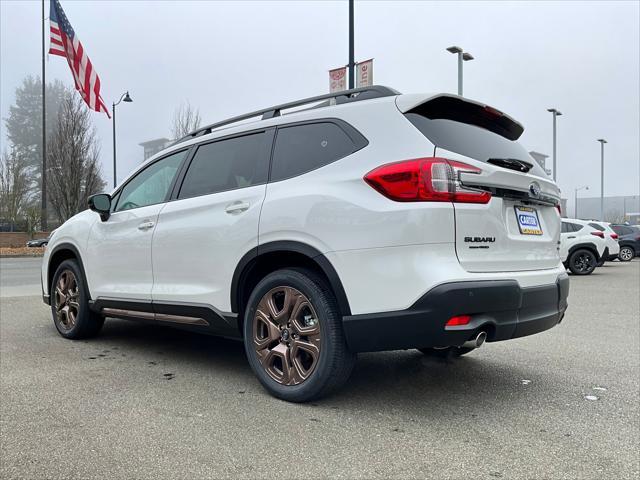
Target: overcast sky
point(229, 58)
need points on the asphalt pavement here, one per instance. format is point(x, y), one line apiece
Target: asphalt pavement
point(151, 402)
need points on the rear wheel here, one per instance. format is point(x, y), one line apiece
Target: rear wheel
point(626, 254)
point(446, 352)
point(293, 336)
point(70, 303)
point(582, 262)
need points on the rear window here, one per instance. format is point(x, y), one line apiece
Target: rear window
point(474, 140)
point(597, 227)
point(302, 148)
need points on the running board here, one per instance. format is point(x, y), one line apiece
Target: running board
point(158, 317)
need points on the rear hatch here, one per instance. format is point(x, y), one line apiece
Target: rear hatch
point(519, 227)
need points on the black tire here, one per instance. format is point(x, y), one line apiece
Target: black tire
point(334, 362)
point(582, 262)
point(626, 253)
point(86, 323)
point(447, 352)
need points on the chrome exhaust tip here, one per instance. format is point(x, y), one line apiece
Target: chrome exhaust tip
point(475, 342)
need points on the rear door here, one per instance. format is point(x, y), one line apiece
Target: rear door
point(519, 228)
point(203, 233)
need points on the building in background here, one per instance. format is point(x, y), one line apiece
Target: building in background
point(541, 158)
point(154, 146)
point(616, 209)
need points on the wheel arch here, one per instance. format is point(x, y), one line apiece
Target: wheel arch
point(584, 246)
point(272, 256)
point(60, 253)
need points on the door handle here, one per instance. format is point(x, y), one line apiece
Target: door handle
point(236, 207)
point(146, 225)
point(573, 236)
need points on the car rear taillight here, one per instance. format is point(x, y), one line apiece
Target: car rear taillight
point(598, 233)
point(426, 180)
point(559, 208)
point(458, 320)
point(614, 236)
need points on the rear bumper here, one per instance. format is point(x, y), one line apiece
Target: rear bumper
point(500, 307)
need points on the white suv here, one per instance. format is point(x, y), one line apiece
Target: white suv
point(612, 248)
point(582, 247)
point(369, 221)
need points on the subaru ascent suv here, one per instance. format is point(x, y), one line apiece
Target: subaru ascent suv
point(357, 221)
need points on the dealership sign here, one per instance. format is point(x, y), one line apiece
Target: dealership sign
point(364, 73)
point(338, 79)
point(364, 76)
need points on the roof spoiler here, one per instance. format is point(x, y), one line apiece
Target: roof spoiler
point(459, 109)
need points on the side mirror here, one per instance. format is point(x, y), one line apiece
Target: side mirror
point(101, 203)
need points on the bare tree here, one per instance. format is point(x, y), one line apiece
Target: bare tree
point(15, 183)
point(73, 159)
point(185, 120)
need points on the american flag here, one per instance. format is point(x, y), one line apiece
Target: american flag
point(64, 42)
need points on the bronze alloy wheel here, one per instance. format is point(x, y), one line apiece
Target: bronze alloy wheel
point(286, 335)
point(67, 300)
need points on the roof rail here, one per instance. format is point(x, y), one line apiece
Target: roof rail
point(345, 96)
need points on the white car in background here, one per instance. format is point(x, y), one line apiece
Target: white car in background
point(613, 248)
point(581, 246)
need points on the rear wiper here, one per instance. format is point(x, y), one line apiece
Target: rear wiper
point(511, 163)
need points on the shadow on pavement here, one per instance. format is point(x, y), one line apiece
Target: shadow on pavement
point(405, 380)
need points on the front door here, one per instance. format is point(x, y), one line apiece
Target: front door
point(119, 249)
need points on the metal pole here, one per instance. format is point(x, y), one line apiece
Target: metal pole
point(114, 144)
point(460, 73)
point(351, 48)
point(602, 181)
point(576, 205)
point(554, 147)
point(43, 205)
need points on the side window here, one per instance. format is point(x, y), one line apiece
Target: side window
point(564, 228)
point(152, 184)
point(227, 165)
point(302, 148)
point(576, 227)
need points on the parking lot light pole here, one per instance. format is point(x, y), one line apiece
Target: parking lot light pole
point(556, 114)
point(462, 57)
point(123, 98)
point(575, 210)
point(602, 142)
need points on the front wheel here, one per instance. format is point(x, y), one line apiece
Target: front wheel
point(582, 262)
point(70, 303)
point(626, 254)
point(293, 336)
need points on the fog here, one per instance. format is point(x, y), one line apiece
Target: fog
point(227, 58)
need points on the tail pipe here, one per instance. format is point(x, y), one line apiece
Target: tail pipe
point(476, 341)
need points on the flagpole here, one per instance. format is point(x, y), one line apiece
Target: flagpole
point(43, 211)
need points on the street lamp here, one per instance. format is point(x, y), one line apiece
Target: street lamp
point(123, 98)
point(462, 56)
point(602, 142)
point(576, 199)
point(556, 113)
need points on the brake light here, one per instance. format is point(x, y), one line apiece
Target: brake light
point(598, 233)
point(426, 180)
point(458, 320)
point(559, 208)
point(614, 236)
